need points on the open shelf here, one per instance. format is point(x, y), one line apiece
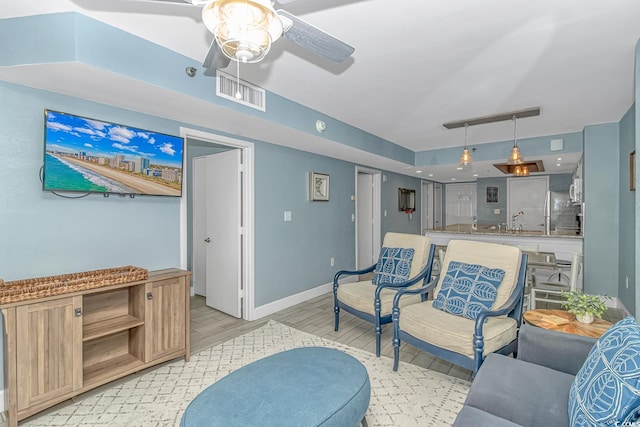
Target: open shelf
point(110, 368)
point(110, 326)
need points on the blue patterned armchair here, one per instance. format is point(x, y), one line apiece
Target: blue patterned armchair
point(405, 262)
point(477, 306)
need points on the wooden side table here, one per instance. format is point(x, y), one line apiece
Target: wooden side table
point(563, 321)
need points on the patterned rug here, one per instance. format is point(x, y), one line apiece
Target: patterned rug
point(413, 396)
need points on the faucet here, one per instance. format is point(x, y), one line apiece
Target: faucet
point(513, 220)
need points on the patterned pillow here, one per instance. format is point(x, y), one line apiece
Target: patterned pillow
point(394, 265)
point(606, 390)
point(468, 289)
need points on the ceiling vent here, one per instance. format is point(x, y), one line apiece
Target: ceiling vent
point(250, 95)
point(509, 169)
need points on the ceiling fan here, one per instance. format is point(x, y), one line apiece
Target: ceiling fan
point(245, 29)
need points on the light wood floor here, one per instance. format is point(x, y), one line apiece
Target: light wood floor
point(209, 327)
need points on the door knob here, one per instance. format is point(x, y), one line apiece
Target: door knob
point(207, 240)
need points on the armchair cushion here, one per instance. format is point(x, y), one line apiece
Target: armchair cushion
point(606, 390)
point(360, 295)
point(468, 289)
point(394, 265)
point(455, 333)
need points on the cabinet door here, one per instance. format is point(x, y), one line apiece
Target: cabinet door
point(166, 317)
point(49, 342)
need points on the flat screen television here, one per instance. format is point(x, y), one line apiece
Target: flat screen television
point(94, 156)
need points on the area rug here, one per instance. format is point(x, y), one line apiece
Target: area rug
point(413, 396)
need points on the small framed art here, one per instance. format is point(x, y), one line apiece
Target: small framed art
point(318, 187)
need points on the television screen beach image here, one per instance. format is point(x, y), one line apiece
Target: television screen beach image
point(87, 155)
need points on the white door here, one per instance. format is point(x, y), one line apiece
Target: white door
point(199, 232)
point(527, 195)
point(460, 203)
point(221, 233)
point(364, 220)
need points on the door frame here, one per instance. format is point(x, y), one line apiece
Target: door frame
point(377, 206)
point(427, 205)
point(247, 229)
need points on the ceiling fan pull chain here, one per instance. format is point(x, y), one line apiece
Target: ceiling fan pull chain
point(238, 94)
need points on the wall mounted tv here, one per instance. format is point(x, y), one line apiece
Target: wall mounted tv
point(94, 156)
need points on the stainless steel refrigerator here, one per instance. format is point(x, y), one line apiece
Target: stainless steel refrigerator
point(561, 216)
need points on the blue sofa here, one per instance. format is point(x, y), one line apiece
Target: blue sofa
point(534, 388)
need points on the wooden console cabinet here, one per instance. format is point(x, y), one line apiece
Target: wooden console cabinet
point(64, 345)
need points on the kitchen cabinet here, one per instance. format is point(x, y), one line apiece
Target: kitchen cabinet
point(63, 345)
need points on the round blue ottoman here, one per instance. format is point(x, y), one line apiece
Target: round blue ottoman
point(309, 386)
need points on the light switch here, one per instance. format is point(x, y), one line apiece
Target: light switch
point(287, 215)
point(496, 211)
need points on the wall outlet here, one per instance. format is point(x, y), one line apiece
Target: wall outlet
point(626, 281)
point(353, 197)
point(287, 215)
point(496, 211)
point(353, 217)
point(333, 262)
point(385, 212)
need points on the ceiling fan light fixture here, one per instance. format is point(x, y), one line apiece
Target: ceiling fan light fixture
point(244, 29)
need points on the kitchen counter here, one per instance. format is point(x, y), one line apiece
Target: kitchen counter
point(493, 230)
point(562, 246)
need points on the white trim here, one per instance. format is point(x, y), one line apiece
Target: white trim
point(290, 301)
point(3, 404)
point(248, 213)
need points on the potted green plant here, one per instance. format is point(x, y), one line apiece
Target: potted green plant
point(586, 307)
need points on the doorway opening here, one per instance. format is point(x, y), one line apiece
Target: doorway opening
point(368, 223)
point(203, 148)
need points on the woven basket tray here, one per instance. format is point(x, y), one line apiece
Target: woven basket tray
point(20, 290)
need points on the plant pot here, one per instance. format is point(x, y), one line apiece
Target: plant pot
point(584, 318)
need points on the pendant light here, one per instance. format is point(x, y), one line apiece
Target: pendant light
point(515, 157)
point(465, 158)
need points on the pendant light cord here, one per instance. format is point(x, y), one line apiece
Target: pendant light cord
point(515, 144)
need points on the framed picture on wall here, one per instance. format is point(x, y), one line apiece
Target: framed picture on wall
point(318, 187)
point(491, 195)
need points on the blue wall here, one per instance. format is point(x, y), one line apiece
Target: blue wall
point(627, 247)
point(601, 236)
point(44, 234)
point(397, 220)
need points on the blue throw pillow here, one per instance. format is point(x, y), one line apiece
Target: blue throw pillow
point(606, 390)
point(468, 289)
point(394, 265)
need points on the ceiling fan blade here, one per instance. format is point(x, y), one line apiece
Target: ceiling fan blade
point(314, 39)
point(215, 59)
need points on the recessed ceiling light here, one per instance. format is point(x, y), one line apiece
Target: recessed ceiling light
point(453, 179)
point(559, 159)
point(418, 171)
point(475, 174)
point(459, 168)
point(558, 164)
point(430, 174)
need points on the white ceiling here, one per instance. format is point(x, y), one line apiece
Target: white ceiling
point(417, 64)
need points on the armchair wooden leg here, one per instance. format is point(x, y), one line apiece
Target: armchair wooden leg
point(377, 306)
point(395, 317)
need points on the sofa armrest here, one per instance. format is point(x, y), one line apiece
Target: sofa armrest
point(556, 350)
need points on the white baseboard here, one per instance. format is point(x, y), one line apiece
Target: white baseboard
point(3, 405)
point(290, 301)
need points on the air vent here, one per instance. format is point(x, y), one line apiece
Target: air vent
point(252, 96)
